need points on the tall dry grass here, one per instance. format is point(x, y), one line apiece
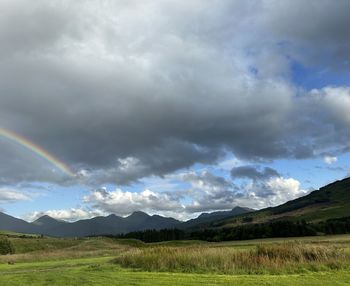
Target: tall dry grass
point(279, 258)
point(83, 249)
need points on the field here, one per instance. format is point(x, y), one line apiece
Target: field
point(104, 261)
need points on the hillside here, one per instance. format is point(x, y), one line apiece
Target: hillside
point(206, 218)
point(329, 202)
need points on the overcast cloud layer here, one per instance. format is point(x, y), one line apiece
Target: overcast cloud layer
point(122, 90)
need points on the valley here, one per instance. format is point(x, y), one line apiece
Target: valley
point(97, 261)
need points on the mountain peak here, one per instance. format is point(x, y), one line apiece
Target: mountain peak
point(46, 220)
point(138, 214)
point(239, 208)
point(235, 211)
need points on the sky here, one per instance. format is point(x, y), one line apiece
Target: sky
point(170, 107)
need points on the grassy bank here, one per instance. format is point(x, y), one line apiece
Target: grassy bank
point(98, 261)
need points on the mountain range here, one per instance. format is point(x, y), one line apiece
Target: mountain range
point(109, 225)
point(331, 201)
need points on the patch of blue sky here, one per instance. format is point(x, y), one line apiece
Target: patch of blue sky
point(312, 173)
point(316, 78)
point(49, 199)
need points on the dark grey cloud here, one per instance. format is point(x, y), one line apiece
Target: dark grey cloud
point(120, 91)
point(29, 28)
point(317, 28)
point(18, 167)
point(254, 173)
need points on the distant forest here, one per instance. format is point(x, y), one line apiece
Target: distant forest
point(244, 232)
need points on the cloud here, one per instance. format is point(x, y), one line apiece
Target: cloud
point(72, 214)
point(123, 202)
point(101, 91)
point(254, 173)
point(335, 102)
point(170, 157)
point(276, 191)
point(329, 160)
point(8, 195)
point(209, 192)
point(127, 90)
point(323, 121)
point(317, 28)
point(194, 193)
point(29, 27)
point(206, 193)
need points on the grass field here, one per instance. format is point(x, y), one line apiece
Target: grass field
point(100, 261)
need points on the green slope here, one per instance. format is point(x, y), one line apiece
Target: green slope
point(331, 201)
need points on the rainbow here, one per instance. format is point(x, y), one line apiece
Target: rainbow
point(36, 149)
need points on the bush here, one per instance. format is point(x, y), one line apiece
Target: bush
point(6, 247)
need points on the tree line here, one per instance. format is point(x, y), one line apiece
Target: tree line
point(283, 228)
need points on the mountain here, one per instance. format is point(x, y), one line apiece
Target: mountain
point(45, 223)
point(142, 221)
point(329, 202)
point(111, 224)
point(205, 218)
point(46, 220)
point(14, 224)
point(95, 226)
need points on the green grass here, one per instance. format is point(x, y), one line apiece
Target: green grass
point(52, 264)
point(106, 274)
point(24, 245)
point(99, 261)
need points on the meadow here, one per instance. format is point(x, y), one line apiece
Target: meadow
point(323, 260)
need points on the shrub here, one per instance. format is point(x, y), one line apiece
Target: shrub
point(6, 247)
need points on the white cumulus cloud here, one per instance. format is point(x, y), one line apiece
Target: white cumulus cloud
point(330, 159)
point(11, 195)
